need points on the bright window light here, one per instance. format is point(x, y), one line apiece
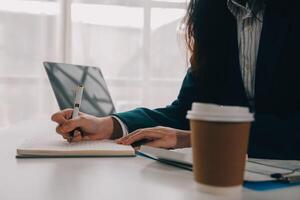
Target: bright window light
point(29, 7)
point(105, 15)
point(164, 16)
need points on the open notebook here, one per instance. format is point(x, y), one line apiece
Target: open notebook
point(55, 146)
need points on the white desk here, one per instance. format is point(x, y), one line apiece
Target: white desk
point(98, 178)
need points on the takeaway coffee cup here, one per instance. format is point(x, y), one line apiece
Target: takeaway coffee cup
point(219, 142)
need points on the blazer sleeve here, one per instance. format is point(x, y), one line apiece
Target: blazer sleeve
point(173, 115)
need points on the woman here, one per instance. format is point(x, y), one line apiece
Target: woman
point(244, 52)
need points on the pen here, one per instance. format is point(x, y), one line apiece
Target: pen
point(77, 103)
point(287, 177)
point(293, 179)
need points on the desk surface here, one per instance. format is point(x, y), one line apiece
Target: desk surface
point(98, 178)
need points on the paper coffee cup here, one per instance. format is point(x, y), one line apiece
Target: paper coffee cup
point(219, 142)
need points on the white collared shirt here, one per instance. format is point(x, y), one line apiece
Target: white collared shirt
point(249, 26)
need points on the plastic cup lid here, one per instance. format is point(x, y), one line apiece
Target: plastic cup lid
point(219, 113)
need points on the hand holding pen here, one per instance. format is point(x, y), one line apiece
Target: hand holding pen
point(75, 126)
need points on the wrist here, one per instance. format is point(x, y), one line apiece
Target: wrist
point(105, 126)
point(183, 139)
point(117, 131)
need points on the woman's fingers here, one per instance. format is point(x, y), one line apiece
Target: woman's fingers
point(59, 131)
point(62, 116)
point(160, 137)
point(134, 133)
point(77, 136)
point(58, 118)
point(70, 125)
point(120, 140)
point(158, 144)
point(65, 136)
point(146, 134)
point(67, 125)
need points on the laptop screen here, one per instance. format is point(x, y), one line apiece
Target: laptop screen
point(65, 78)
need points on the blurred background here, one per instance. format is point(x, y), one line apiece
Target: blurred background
point(137, 44)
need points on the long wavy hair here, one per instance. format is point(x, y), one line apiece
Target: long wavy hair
point(190, 22)
point(197, 17)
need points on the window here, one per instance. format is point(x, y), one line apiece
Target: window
point(134, 42)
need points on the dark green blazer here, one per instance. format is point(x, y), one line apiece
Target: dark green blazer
point(276, 130)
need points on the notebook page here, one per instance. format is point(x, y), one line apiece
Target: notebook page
point(169, 155)
point(55, 145)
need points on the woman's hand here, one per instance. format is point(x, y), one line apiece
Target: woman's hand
point(161, 137)
point(87, 126)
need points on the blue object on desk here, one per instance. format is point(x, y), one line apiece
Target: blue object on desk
point(268, 185)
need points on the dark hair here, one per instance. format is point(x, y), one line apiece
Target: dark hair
point(190, 21)
point(203, 13)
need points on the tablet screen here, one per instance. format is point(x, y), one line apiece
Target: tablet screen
point(65, 78)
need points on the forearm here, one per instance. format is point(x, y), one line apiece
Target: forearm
point(173, 115)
